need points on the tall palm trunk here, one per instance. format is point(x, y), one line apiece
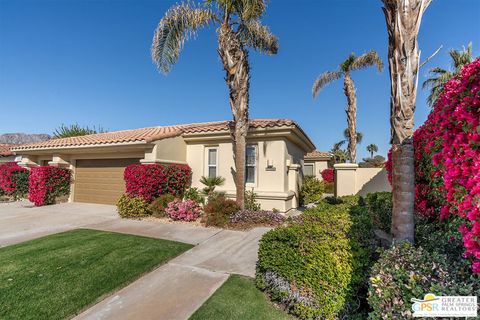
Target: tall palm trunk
point(403, 19)
point(349, 90)
point(235, 62)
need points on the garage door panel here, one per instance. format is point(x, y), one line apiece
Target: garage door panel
point(100, 180)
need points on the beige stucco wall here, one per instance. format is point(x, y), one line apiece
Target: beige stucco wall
point(271, 186)
point(170, 150)
point(318, 167)
point(352, 180)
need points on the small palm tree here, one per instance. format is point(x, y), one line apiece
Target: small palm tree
point(439, 77)
point(339, 154)
point(211, 183)
point(75, 130)
point(352, 63)
point(238, 28)
point(372, 148)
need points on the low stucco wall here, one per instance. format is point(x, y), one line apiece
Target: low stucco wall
point(352, 180)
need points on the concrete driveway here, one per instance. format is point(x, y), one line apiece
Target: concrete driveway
point(172, 291)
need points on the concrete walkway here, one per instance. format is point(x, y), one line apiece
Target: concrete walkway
point(172, 291)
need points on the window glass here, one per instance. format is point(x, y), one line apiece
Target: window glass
point(212, 162)
point(308, 170)
point(251, 164)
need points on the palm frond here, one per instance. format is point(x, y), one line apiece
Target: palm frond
point(323, 80)
point(359, 135)
point(368, 59)
point(179, 24)
point(253, 34)
point(249, 9)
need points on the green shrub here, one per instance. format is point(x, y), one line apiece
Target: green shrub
point(445, 238)
point(132, 207)
point(193, 194)
point(157, 207)
point(405, 272)
point(380, 206)
point(311, 191)
point(251, 201)
point(329, 187)
point(218, 210)
point(316, 264)
point(20, 180)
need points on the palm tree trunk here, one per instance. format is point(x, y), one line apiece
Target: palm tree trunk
point(403, 22)
point(349, 90)
point(235, 62)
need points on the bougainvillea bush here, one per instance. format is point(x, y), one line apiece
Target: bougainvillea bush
point(46, 183)
point(447, 159)
point(13, 180)
point(187, 210)
point(151, 180)
point(328, 175)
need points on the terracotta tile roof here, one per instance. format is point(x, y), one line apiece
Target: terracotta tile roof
point(147, 135)
point(317, 154)
point(5, 150)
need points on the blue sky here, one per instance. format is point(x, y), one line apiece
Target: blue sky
point(89, 62)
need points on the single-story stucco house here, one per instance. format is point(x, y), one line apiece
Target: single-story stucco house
point(275, 153)
point(315, 162)
point(6, 154)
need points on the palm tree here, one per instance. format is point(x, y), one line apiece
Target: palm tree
point(359, 137)
point(372, 148)
point(403, 20)
point(238, 27)
point(352, 63)
point(339, 154)
point(439, 76)
point(211, 183)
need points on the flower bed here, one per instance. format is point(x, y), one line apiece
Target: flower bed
point(187, 210)
point(447, 159)
point(46, 183)
point(245, 219)
point(149, 181)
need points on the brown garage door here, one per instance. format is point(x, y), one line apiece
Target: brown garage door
point(100, 180)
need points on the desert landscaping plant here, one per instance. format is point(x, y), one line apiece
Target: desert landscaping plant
point(312, 190)
point(238, 27)
point(158, 206)
point(210, 184)
point(75, 130)
point(218, 211)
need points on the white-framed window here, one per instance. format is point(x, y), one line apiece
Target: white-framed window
point(212, 160)
point(251, 164)
point(308, 169)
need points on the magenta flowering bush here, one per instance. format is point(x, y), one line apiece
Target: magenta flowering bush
point(187, 210)
point(7, 173)
point(447, 159)
point(328, 175)
point(47, 183)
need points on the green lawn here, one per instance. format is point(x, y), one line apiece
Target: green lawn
point(57, 276)
point(238, 298)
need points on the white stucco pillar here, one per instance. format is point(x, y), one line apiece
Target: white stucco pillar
point(345, 179)
point(293, 182)
point(60, 161)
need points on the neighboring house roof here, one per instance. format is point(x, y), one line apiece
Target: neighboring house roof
point(146, 135)
point(318, 154)
point(5, 150)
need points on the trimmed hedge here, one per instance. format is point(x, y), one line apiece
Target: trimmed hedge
point(13, 180)
point(312, 190)
point(317, 264)
point(132, 207)
point(149, 181)
point(47, 183)
point(380, 207)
